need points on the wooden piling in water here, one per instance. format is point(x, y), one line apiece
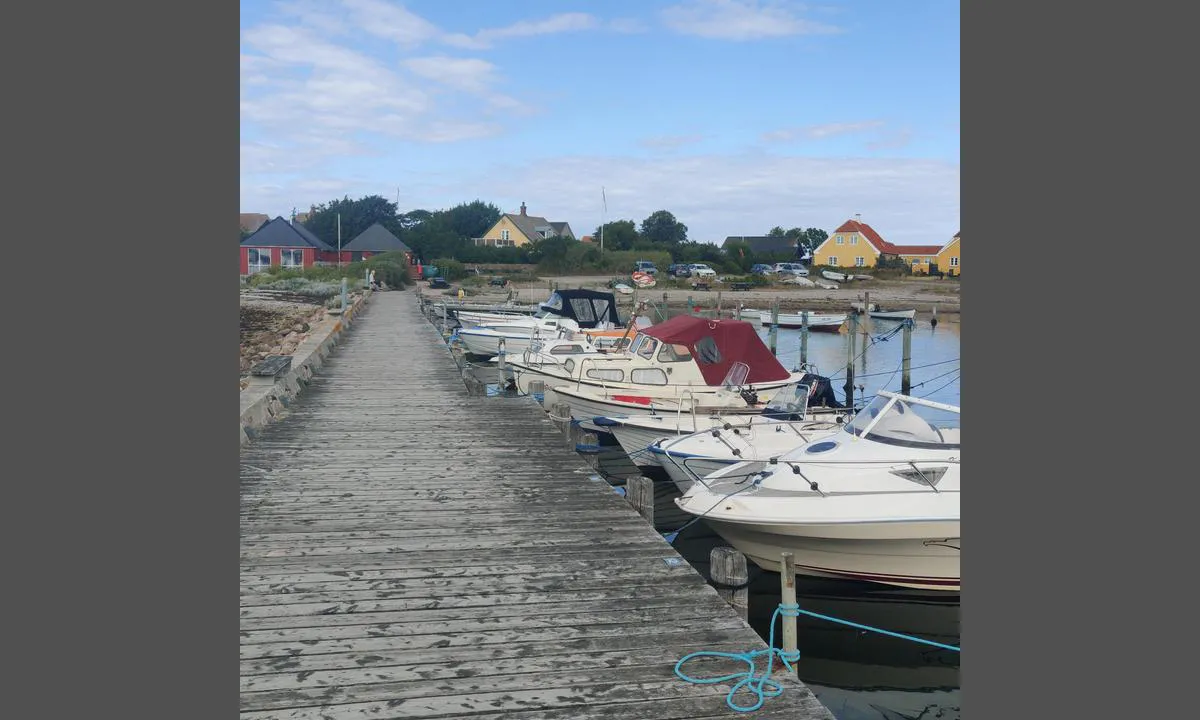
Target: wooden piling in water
point(787, 581)
point(560, 415)
point(850, 342)
point(537, 389)
point(730, 572)
point(906, 359)
point(639, 491)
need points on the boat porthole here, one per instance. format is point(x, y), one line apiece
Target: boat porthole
point(821, 447)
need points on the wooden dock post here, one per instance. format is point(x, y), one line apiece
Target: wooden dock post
point(851, 336)
point(730, 572)
point(537, 389)
point(773, 334)
point(787, 581)
point(639, 491)
point(804, 338)
point(906, 359)
point(560, 415)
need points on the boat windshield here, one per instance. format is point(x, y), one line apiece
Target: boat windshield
point(790, 400)
point(909, 421)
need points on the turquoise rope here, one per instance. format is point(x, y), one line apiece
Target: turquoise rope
point(902, 636)
point(762, 687)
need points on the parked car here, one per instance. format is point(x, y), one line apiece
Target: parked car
point(645, 266)
point(790, 268)
point(762, 269)
point(683, 270)
point(701, 270)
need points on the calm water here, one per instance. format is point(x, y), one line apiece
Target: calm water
point(858, 675)
point(934, 358)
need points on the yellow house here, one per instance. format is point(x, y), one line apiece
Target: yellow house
point(853, 244)
point(515, 230)
point(948, 257)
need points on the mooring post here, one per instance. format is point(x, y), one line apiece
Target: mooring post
point(906, 359)
point(560, 415)
point(730, 572)
point(804, 339)
point(690, 306)
point(500, 365)
point(849, 387)
point(773, 333)
point(718, 304)
point(343, 295)
point(639, 491)
point(537, 389)
point(787, 580)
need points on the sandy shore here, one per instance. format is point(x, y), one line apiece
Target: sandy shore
point(920, 294)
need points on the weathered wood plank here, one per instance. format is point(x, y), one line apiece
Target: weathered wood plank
point(409, 551)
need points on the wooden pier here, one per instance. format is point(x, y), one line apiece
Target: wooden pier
point(409, 551)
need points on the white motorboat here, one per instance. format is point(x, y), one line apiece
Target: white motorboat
point(817, 322)
point(587, 308)
point(876, 501)
point(835, 276)
point(641, 435)
point(688, 458)
point(686, 354)
point(488, 340)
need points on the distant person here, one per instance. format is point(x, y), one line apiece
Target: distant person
point(461, 294)
point(372, 281)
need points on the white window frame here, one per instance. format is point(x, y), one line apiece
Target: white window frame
point(853, 239)
point(954, 261)
point(504, 235)
point(291, 257)
point(648, 376)
point(860, 261)
point(254, 267)
point(839, 240)
point(916, 261)
point(833, 261)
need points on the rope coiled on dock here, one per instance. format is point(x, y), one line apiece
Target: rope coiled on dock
point(762, 687)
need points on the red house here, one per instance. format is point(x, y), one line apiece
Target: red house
point(280, 242)
point(375, 240)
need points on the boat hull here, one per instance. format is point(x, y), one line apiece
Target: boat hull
point(929, 561)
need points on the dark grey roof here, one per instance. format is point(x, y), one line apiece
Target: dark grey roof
point(377, 238)
point(281, 233)
point(562, 228)
point(764, 243)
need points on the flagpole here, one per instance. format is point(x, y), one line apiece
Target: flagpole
point(339, 239)
point(602, 217)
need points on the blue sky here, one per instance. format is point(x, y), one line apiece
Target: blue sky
point(734, 115)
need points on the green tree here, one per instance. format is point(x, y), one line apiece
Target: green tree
point(662, 227)
point(618, 235)
point(815, 236)
point(356, 216)
point(776, 231)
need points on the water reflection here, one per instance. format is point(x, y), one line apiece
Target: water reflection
point(859, 675)
point(934, 368)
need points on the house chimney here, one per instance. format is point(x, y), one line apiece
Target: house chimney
point(858, 217)
point(522, 209)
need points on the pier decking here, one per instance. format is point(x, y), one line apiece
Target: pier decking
point(408, 551)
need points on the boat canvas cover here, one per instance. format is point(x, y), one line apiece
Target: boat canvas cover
point(718, 344)
point(589, 308)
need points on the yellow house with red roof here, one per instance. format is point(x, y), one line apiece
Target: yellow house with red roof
point(857, 244)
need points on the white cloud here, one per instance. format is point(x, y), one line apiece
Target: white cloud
point(910, 202)
point(739, 20)
point(567, 22)
point(391, 22)
point(629, 26)
point(819, 132)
